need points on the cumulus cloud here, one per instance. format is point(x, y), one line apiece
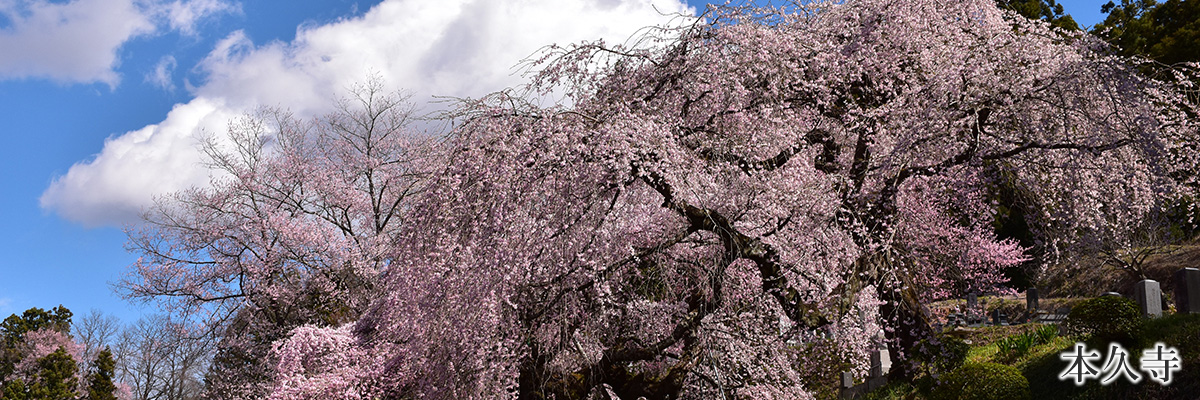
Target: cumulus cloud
point(113, 187)
point(77, 41)
point(448, 48)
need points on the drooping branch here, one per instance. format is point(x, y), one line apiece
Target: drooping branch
point(740, 246)
point(825, 161)
point(1095, 150)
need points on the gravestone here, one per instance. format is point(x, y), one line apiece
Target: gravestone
point(1187, 291)
point(1148, 295)
point(996, 317)
point(972, 306)
point(847, 380)
point(876, 364)
point(1031, 299)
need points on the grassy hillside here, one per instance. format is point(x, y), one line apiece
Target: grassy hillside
point(1041, 365)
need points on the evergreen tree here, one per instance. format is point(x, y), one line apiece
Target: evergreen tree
point(56, 377)
point(1166, 32)
point(100, 383)
point(13, 329)
point(1046, 10)
point(14, 390)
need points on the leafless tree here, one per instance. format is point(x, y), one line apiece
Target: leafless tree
point(94, 331)
point(160, 360)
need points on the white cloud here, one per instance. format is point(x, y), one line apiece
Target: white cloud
point(448, 48)
point(77, 41)
point(112, 188)
point(162, 74)
point(184, 15)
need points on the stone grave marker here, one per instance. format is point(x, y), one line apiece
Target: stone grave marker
point(876, 364)
point(1187, 291)
point(1148, 295)
point(972, 305)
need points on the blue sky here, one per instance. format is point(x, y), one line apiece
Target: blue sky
point(99, 98)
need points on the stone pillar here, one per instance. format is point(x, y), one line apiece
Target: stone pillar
point(972, 304)
point(1149, 297)
point(876, 364)
point(1187, 291)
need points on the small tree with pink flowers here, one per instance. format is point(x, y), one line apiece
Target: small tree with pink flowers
point(40, 358)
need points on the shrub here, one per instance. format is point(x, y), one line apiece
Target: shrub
point(983, 381)
point(1020, 344)
point(941, 354)
point(1106, 319)
point(937, 356)
point(1046, 333)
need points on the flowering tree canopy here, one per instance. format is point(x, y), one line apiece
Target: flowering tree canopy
point(698, 201)
point(297, 224)
point(39, 358)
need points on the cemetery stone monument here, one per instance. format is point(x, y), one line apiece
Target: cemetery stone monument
point(1149, 297)
point(1187, 291)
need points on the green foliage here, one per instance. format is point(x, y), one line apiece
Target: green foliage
point(1166, 32)
point(983, 381)
point(58, 318)
point(1043, 365)
point(941, 354)
point(1045, 10)
point(13, 329)
point(1018, 345)
point(1184, 214)
point(100, 382)
point(1106, 319)
point(1045, 333)
point(56, 377)
point(14, 390)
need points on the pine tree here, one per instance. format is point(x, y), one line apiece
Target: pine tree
point(100, 383)
point(56, 377)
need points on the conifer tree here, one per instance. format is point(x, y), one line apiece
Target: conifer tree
point(100, 383)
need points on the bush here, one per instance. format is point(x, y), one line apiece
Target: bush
point(941, 354)
point(1045, 333)
point(983, 381)
point(1106, 319)
point(1018, 345)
